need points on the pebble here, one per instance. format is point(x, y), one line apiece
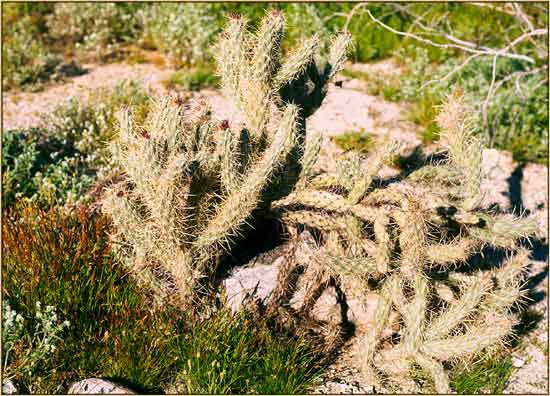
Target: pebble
point(517, 362)
point(8, 388)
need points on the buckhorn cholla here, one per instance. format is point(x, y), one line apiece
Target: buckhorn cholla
point(193, 186)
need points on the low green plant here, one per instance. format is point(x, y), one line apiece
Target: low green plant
point(488, 375)
point(40, 168)
point(36, 345)
point(192, 80)
point(356, 141)
point(58, 162)
point(26, 61)
point(63, 260)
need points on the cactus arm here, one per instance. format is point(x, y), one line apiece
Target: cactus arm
point(460, 309)
point(297, 62)
point(238, 206)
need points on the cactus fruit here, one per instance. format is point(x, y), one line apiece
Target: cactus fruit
point(193, 186)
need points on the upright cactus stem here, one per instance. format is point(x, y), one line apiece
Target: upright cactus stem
point(192, 185)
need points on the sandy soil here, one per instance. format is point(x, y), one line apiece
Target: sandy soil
point(507, 186)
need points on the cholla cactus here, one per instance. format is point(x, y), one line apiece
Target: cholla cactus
point(193, 185)
point(408, 240)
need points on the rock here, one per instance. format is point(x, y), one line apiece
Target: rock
point(343, 388)
point(94, 386)
point(517, 362)
point(255, 281)
point(9, 388)
point(258, 278)
point(70, 69)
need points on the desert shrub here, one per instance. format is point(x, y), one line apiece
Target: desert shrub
point(305, 20)
point(184, 32)
point(58, 162)
point(27, 62)
point(63, 261)
point(192, 80)
point(516, 117)
point(373, 42)
point(518, 121)
point(92, 29)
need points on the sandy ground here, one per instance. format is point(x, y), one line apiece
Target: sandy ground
point(507, 186)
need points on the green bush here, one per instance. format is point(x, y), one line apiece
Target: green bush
point(184, 32)
point(58, 162)
point(517, 116)
point(92, 29)
point(26, 62)
point(41, 168)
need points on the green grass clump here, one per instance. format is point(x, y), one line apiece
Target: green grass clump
point(192, 80)
point(236, 354)
point(64, 260)
point(489, 375)
point(358, 141)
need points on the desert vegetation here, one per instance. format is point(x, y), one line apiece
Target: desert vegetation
point(125, 209)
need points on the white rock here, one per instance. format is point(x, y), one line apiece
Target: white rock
point(95, 386)
point(517, 362)
point(258, 278)
point(256, 281)
point(9, 388)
